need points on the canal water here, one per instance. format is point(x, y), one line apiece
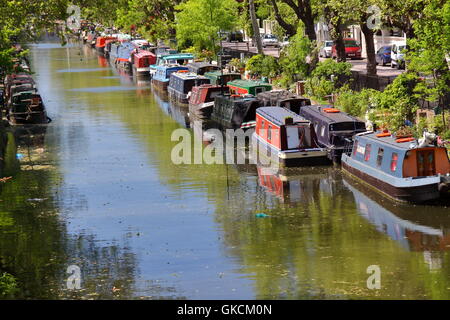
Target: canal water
point(96, 189)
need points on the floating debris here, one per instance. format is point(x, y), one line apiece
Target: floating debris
point(261, 215)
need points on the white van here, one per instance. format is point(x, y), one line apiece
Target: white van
point(398, 54)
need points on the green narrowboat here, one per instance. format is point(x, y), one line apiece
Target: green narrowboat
point(248, 87)
point(216, 77)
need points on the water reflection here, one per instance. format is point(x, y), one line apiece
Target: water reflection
point(176, 112)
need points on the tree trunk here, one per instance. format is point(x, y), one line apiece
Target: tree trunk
point(370, 49)
point(255, 26)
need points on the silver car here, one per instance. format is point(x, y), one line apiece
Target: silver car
point(270, 40)
point(325, 51)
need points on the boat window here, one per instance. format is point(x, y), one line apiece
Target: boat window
point(367, 152)
point(380, 156)
point(269, 132)
point(355, 147)
point(322, 131)
point(394, 161)
point(259, 90)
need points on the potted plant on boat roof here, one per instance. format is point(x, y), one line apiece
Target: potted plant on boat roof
point(237, 65)
point(404, 132)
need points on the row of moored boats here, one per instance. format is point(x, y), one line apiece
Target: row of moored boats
point(288, 127)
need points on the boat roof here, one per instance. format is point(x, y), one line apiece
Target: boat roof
point(198, 65)
point(143, 53)
point(277, 115)
point(178, 56)
point(389, 140)
point(318, 111)
point(218, 73)
point(279, 95)
point(171, 67)
point(188, 75)
point(248, 83)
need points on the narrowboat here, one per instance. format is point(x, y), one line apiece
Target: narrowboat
point(160, 79)
point(284, 99)
point(141, 61)
point(201, 100)
point(181, 84)
point(180, 59)
point(107, 49)
point(333, 127)
point(216, 77)
point(288, 139)
point(26, 107)
point(123, 59)
point(100, 43)
point(401, 168)
point(91, 39)
point(248, 87)
point(234, 111)
point(201, 68)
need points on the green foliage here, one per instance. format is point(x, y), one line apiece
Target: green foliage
point(8, 285)
point(265, 66)
point(355, 103)
point(294, 60)
point(199, 21)
point(327, 68)
point(321, 84)
point(401, 99)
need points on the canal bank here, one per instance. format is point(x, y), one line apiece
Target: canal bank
point(105, 196)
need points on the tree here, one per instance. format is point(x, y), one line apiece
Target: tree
point(198, 22)
point(255, 27)
point(304, 12)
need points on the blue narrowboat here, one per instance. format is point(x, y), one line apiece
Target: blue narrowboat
point(333, 127)
point(160, 79)
point(181, 84)
point(400, 167)
point(123, 58)
point(180, 59)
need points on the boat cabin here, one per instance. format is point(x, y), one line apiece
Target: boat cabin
point(248, 87)
point(288, 137)
point(201, 67)
point(399, 166)
point(162, 75)
point(182, 82)
point(234, 111)
point(284, 99)
point(201, 101)
point(216, 77)
point(101, 43)
point(333, 127)
point(141, 61)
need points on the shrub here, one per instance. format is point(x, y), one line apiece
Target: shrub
point(356, 103)
point(8, 285)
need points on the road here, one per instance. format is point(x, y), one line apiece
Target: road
point(358, 65)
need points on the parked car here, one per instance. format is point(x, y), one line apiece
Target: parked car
point(383, 55)
point(270, 40)
point(352, 49)
point(398, 55)
point(326, 49)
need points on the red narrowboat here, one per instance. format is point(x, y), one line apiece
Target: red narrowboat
point(201, 100)
point(100, 43)
point(289, 139)
point(141, 61)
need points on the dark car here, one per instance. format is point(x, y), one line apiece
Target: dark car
point(383, 55)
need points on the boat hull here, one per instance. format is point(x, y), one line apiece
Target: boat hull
point(178, 96)
point(161, 85)
point(414, 194)
point(290, 159)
